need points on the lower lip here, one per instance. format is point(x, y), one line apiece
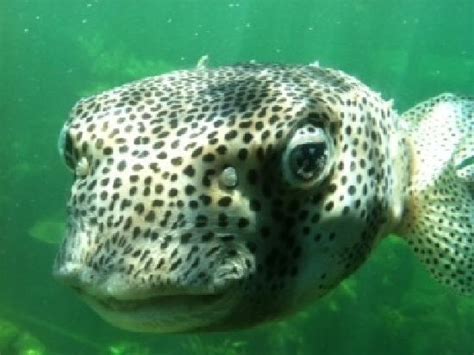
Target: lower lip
point(164, 302)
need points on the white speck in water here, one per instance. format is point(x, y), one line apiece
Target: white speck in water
point(26, 30)
point(169, 20)
point(278, 50)
point(37, 17)
point(89, 5)
point(84, 21)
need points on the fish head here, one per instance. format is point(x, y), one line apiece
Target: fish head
point(216, 199)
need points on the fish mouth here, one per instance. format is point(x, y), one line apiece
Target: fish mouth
point(180, 313)
point(168, 301)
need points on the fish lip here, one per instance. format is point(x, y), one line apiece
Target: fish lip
point(140, 298)
point(162, 301)
point(166, 299)
point(165, 314)
point(116, 286)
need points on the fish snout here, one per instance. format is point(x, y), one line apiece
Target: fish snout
point(73, 274)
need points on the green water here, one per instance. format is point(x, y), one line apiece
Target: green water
point(52, 52)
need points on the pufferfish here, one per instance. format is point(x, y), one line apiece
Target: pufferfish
point(222, 198)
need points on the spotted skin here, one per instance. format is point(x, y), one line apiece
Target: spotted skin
point(439, 216)
point(216, 199)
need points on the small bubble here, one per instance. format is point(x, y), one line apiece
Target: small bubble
point(84, 21)
point(310, 28)
point(37, 18)
point(169, 20)
point(26, 30)
point(89, 5)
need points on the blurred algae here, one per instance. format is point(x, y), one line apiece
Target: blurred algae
point(14, 340)
point(112, 65)
point(195, 345)
point(126, 348)
point(19, 340)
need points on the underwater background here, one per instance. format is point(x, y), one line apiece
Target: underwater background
point(52, 52)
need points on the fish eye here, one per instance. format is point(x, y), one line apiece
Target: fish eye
point(308, 156)
point(66, 148)
point(308, 160)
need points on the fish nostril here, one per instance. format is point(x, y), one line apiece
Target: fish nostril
point(228, 177)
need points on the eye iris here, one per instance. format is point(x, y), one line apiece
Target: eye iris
point(308, 160)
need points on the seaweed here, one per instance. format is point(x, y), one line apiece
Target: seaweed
point(126, 348)
point(115, 65)
point(14, 340)
point(196, 345)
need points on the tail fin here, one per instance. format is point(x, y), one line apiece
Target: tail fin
point(438, 220)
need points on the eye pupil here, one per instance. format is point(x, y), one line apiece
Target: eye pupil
point(308, 157)
point(308, 160)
